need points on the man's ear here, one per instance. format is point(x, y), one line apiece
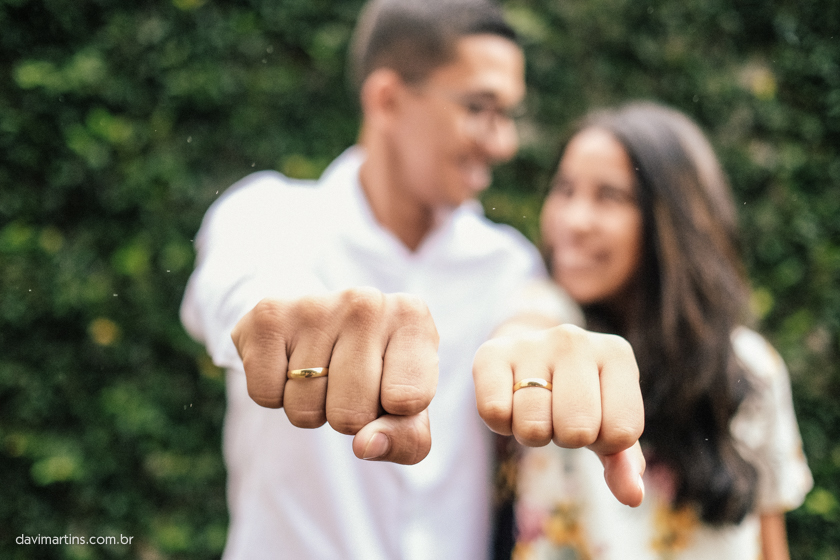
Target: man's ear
point(381, 95)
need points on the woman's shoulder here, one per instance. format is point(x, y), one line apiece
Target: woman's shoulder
point(757, 356)
point(768, 379)
point(765, 427)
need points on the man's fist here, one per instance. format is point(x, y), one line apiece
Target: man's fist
point(381, 351)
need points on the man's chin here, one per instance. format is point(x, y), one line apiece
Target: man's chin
point(473, 191)
point(467, 195)
point(476, 179)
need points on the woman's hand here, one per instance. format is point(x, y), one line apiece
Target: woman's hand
point(594, 401)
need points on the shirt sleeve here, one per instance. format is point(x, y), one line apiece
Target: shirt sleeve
point(765, 427)
point(252, 221)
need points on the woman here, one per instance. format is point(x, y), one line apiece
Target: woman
point(640, 230)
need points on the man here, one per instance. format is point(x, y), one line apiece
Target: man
point(336, 296)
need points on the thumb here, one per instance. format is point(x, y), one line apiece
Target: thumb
point(405, 440)
point(623, 472)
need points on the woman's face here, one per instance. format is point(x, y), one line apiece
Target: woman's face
point(591, 221)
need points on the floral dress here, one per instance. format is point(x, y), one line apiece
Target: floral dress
point(564, 510)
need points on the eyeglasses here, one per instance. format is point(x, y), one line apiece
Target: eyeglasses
point(483, 114)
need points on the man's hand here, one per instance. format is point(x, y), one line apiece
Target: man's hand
point(595, 400)
point(381, 351)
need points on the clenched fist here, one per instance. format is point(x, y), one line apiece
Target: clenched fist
point(381, 355)
point(595, 400)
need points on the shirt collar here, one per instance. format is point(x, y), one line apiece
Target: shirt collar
point(342, 184)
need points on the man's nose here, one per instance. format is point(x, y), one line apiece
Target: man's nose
point(501, 140)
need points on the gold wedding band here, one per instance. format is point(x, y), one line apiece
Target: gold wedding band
point(532, 382)
point(307, 373)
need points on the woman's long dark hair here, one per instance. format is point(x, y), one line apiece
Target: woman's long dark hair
point(689, 295)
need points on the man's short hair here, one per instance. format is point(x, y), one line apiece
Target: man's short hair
point(414, 37)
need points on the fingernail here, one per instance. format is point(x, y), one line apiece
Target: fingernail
point(642, 486)
point(377, 446)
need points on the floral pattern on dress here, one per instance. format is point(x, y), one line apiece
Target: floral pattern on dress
point(674, 530)
point(562, 527)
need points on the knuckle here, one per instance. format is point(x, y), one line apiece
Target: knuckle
point(266, 315)
point(575, 436)
point(533, 433)
point(308, 419)
point(236, 335)
point(406, 400)
point(493, 349)
point(349, 422)
point(494, 412)
point(311, 337)
point(562, 339)
point(408, 306)
point(405, 310)
point(622, 436)
point(570, 335)
point(250, 363)
point(265, 398)
point(526, 346)
point(309, 310)
point(618, 344)
point(479, 365)
point(363, 305)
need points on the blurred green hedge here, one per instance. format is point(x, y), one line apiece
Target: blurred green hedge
point(121, 122)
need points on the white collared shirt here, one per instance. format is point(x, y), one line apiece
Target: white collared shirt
point(302, 494)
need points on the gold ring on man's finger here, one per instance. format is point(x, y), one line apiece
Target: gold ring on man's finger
point(532, 382)
point(308, 373)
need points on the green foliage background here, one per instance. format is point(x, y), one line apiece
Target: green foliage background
point(120, 122)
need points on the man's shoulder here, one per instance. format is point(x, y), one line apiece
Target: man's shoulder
point(265, 187)
point(265, 195)
point(273, 191)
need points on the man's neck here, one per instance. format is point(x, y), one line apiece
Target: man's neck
point(396, 210)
